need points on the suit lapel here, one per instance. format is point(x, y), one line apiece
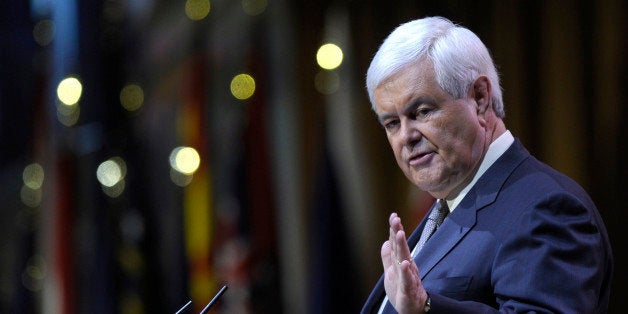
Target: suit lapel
point(463, 218)
point(453, 229)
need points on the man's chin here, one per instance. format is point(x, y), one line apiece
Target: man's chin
point(436, 188)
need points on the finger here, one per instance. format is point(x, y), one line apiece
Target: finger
point(395, 222)
point(400, 244)
point(392, 225)
point(391, 217)
point(386, 252)
point(395, 228)
point(402, 251)
point(409, 277)
point(391, 243)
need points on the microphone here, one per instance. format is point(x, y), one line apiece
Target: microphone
point(184, 307)
point(213, 300)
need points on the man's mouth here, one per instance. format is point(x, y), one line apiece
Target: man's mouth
point(420, 159)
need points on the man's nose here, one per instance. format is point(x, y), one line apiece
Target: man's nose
point(410, 132)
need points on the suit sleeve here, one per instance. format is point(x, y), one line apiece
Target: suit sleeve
point(553, 260)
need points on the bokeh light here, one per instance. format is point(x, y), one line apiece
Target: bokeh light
point(197, 9)
point(254, 7)
point(242, 86)
point(132, 226)
point(68, 115)
point(122, 164)
point(34, 273)
point(185, 160)
point(179, 178)
point(30, 197)
point(132, 97)
point(329, 56)
point(327, 82)
point(109, 173)
point(131, 303)
point(116, 190)
point(130, 259)
point(69, 91)
point(43, 32)
point(33, 176)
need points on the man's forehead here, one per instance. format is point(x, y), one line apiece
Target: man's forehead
point(407, 88)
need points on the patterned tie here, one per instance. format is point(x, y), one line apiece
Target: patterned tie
point(434, 220)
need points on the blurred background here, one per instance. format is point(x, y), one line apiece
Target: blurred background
point(153, 150)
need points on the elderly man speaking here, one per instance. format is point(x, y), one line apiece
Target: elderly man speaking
point(507, 233)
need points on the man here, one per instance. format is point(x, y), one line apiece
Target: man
point(518, 236)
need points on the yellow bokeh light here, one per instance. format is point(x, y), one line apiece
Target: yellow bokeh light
point(33, 176)
point(197, 9)
point(329, 56)
point(185, 160)
point(132, 97)
point(109, 173)
point(254, 7)
point(69, 91)
point(242, 86)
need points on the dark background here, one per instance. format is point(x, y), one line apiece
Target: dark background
point(289, 206)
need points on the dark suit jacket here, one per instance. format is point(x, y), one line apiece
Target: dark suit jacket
point(524, 239)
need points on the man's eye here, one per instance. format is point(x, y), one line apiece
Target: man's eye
point(422, 112)
point(391, 124)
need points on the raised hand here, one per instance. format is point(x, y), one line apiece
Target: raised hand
point(402, 281)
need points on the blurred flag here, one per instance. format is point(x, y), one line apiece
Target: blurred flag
point(197, 201)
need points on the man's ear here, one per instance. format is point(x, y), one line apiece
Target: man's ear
point(482, 94)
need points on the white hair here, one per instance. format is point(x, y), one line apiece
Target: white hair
point(458, 55)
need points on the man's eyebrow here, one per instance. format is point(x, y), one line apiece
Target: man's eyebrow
point(420, 100)
point(384, 117)
point(411, 105)
point(408, 107)
point(416, 102)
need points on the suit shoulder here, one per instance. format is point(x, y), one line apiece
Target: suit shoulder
point(535, 179)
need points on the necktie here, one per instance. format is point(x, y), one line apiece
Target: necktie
point(434, 220)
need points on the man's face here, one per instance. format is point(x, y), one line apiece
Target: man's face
point(438, 141)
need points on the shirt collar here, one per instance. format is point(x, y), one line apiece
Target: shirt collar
point(495, 150)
